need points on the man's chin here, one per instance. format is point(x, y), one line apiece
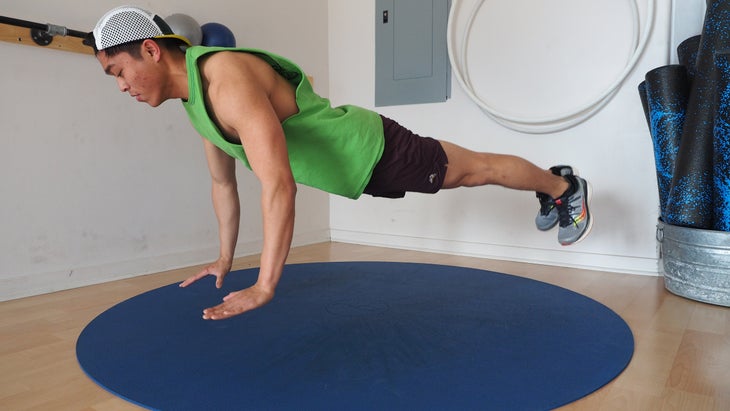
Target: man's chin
point(152, 103)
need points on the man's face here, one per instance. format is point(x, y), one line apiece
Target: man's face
point(138, 77)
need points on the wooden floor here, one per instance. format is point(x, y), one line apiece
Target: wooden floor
point(681, 361)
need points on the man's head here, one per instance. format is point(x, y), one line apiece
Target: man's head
point(128, 24)
point(130, 42)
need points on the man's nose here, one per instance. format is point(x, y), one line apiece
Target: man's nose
point(123, 86)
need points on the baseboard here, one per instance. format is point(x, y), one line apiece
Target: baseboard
point(46, 282)
point(42, 283)
point(561, 258)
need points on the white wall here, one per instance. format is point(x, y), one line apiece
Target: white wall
point(613, 149)
point(95, 186)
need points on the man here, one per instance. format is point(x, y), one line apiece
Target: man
point(259, 108)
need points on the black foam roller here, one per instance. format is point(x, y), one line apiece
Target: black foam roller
point(721, 163)
point(691, 198)
point(687, 55)
point(666, 94)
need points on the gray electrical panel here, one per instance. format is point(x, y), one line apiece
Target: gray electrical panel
point(411, 56)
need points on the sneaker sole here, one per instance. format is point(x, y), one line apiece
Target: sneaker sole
point(589, 189)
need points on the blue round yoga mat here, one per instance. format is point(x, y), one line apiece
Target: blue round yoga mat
point(360, 336)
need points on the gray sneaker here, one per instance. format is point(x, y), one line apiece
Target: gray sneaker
point(573, 214)
point(547, 217)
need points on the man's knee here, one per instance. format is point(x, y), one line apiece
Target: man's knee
point(467, 168)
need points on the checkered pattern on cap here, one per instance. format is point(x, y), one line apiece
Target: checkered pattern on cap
point(128, 23)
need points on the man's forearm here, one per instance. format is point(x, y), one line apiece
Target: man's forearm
point(277, 204)
point(228, 212)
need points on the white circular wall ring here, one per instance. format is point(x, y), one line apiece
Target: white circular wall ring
point(558, 122)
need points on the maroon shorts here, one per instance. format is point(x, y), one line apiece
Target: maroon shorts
point(409, 163)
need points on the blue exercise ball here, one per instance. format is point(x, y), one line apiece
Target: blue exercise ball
point(217, 35)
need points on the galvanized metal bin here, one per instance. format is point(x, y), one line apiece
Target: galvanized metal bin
point(696, 263)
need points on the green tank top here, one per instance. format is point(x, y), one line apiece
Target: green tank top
point(332, 149)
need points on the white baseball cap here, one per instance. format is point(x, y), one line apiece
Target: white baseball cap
point(128, 23)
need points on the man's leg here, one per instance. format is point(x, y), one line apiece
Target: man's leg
point(569, 194)
point(471, 169)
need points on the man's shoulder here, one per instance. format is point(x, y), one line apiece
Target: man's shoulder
point(226, 57)
point(225, 64)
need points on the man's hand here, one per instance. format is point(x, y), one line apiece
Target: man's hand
point(239, 302)
point(219, 269)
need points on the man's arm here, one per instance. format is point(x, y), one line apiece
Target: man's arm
point(227, 210)
point(240, 98)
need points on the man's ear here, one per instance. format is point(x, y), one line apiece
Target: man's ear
point(152, 49)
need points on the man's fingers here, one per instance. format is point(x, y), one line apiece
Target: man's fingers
point(238, 302)
point(230, 307)
point(219, 312)
point(195, 278)
point(214, 269)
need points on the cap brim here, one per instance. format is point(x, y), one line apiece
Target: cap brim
point(175, 36)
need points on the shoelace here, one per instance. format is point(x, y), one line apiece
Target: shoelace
point(565, 213)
